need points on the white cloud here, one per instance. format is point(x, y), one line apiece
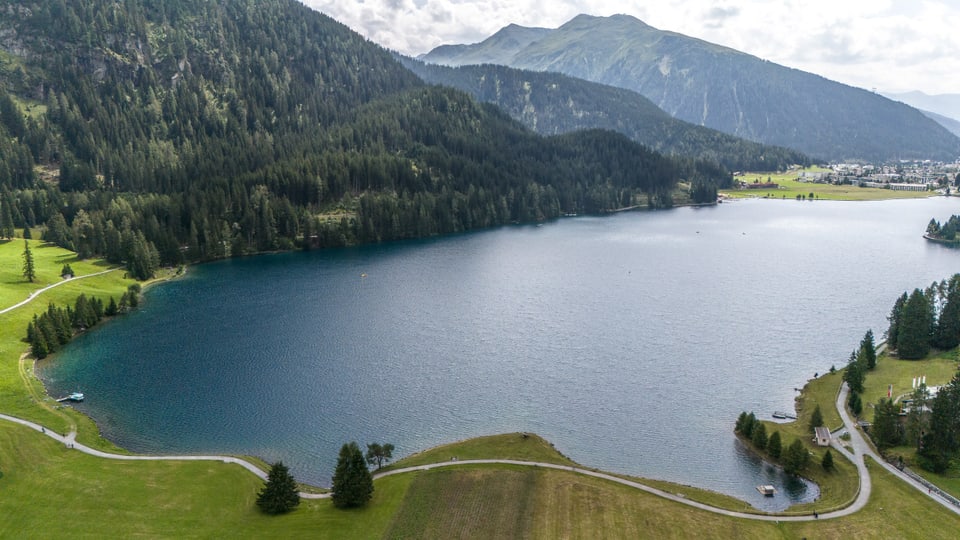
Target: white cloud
point(891, 45)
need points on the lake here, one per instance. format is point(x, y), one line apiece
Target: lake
point(630, 341)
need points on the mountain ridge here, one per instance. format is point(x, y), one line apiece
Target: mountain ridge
point(734, 92)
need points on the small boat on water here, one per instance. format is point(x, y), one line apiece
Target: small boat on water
point(782, 415)
point(767, 490)
point(75, 396)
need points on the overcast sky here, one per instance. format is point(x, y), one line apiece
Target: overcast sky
point(888, 45)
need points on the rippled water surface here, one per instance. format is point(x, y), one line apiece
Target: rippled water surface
point(632, 342)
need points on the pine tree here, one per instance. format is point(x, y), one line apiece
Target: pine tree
point(856, 405)
point(279, 495)
point(352, 482)
point(796, 458)
point(29, 269)
point(854, 375)
point(893, 332)
point(916, 321)
point(868, 351)
point(759, 436)
point(775, 445)
point(827, 461)
point(816, 419)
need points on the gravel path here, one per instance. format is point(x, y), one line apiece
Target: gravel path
point(37, 292)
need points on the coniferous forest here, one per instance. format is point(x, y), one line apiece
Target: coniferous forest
point(159, 132)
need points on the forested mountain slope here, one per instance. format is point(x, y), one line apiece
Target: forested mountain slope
point(191, 129)
point(728, 90)
point(551, 103)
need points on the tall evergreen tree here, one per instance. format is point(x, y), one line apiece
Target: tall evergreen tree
point(352, 481)
point(941, 444)
point(759, 436)
point(280, 494)
point(854, 375)
point(827, 461)
point(775, 445)
point(816, 419)
point(893, 332)
point(29, 269)
point(948, 323)
point(916, 321)
point(795, 458)
point(885, 431)
point(868, 351)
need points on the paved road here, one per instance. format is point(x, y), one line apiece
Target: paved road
point(37, 292)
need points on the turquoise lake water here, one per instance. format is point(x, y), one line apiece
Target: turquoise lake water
point(631, 341)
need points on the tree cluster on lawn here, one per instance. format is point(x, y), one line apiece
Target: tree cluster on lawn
point(794, 459)
point(54, 328)
point(926, 319)
point(279, 495)
point(352, 481)
point(940, 445)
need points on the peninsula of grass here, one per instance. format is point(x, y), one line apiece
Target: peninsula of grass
point(839, 486)
point(789, 188)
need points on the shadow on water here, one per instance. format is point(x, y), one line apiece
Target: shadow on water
point(791, 489)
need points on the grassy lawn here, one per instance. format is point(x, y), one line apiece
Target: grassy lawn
point(467, 502)
point(508, 446)
point(939, 369)
point(790, 187)
point(51, 491)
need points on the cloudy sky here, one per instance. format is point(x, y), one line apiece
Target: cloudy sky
point(888, 45)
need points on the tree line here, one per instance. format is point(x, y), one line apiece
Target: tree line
point(49, 331)
point(926, 319)
point(946, 232)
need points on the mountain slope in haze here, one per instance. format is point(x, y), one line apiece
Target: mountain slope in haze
point(731, 91)
point(943, 104)
point(174, 130)
point(952, 125)
point(551, 103)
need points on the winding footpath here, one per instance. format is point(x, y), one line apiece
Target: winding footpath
point(37, 292)
point(860, 449)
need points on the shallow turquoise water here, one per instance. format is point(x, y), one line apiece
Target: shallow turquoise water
point(631, 341)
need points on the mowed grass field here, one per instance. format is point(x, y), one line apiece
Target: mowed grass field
point(790, 187)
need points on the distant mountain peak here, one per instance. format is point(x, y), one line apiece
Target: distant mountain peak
point(721, 88)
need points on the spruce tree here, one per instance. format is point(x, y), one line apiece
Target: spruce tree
point(279, 495)
point(759, 436)
point(913, 338)
point(893, 332)
point(29, 269)
point(854, 375)
point(352, 482)
point(868, 351)
point(774, 445)
point(827, 461)
point(796, 458)
point(816, 419)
